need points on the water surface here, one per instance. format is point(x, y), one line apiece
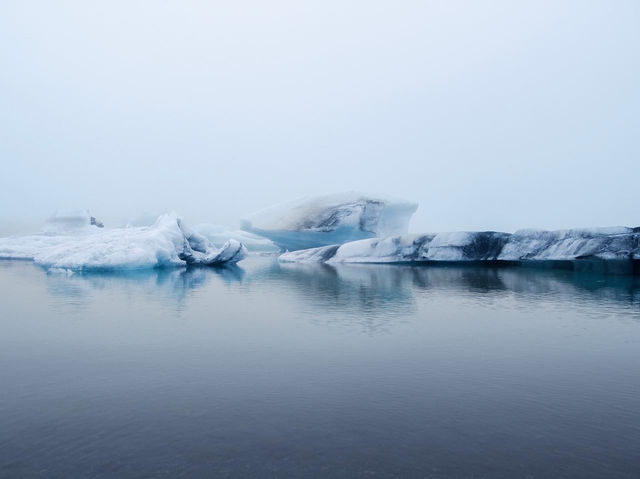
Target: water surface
point(270, 370)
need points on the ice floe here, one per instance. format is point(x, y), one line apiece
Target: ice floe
point(618, 243)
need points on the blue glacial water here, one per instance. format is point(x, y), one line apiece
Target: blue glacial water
point(270, 370)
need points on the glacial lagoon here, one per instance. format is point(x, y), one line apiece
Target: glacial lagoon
point(292, 370)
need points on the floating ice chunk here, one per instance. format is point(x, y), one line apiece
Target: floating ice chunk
point(605, 244)
point(330, 219)
point(219, 235)
point(168, 242)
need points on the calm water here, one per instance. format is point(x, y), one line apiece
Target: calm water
point(294, 371)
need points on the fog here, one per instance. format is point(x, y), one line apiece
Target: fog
point(492, 115)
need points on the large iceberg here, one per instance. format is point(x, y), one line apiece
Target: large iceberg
point(617, 243)
point(330, 219)
point(168, 242)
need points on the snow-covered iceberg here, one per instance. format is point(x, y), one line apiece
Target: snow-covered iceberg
point(618, 243)
point(168, 242)
point(330, 219)
point(602, 243)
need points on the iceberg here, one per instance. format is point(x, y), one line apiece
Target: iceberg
point(219, 235)
point(168, 242)
point(69, 220)
point(617, 243)
point(601, 243)
point(330, 219)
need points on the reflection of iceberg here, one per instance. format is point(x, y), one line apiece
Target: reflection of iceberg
point(375, 296)
point(168, 242)
point(170, 285)
point(597, 244)
point(330, 219)
point(369, 297)
point(344, 286)
point(593, 291)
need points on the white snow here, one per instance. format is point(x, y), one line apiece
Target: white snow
point(168, 242)
point(330, 219)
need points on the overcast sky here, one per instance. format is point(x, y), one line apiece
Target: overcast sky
point(492, 115)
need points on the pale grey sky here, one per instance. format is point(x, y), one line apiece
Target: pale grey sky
point(492, 115)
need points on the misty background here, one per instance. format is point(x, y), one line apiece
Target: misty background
point(492, 115)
